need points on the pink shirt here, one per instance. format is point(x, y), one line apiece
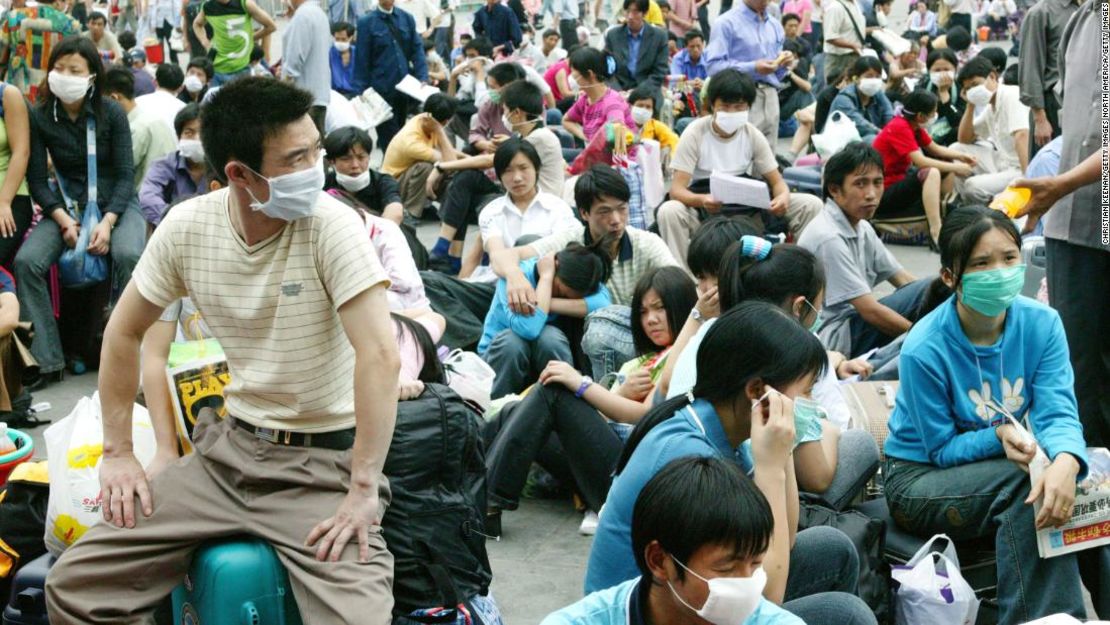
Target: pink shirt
point(610, 108)
point(687, 10)
point(801, 8)
point(412, 358)
point(549, 78)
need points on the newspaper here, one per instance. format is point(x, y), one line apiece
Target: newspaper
point(415, 89)
point(728, 189)
point(1090, 518)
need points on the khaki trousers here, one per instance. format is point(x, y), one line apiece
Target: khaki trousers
point(765, 113)
point(412, 183)
point(234, 484)
point(989, 176)
point(677, 222)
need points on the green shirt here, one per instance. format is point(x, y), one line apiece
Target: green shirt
point(6, 152)
point(232, 34)
point(151, 139)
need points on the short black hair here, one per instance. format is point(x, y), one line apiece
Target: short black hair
point(343, 27)
point(340, 141)
point(243, 114)
point(481, 45)
point(863, 64)
point(169, 76)
point(699, 501)
point(119, 80)
point(525, 96)
point(663, 4)
point(855, 156)
point(1010, 76)
point(795, 46)
point(127, 40)
point(958, 38)
point(643, 5)
point(919, 102)
point(997, 57)
point(204, 64)
point(429, 44)
point(730, 86)
point(585, 59)
point(693, 34)
point(505, 73)
point(941, 54)
point(583, 268)
point(187, 114)
point(672, 37)
point(508, 151)
point(644, 92)
point(441, 107)
point(710, 242)
point(678, 293)
point(98, 17)
point(978, 67)
point(549, 32)
point(599, 181)
point(790, 17)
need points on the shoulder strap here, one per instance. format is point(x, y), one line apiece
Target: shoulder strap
point(855, 24)
point(90, 138)
point(439, 569)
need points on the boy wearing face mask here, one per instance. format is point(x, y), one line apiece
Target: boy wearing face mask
point(177, 176)
point(198, 74)
point(995, 114)
point(863, 100)
point(348, 150)
point(700, 555)
point(647, 127)
point(726, 143)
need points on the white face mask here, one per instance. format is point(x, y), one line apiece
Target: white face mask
point(731, 600)
point(68, 89)
point(191, 149)
point(342, 46)
point(730, 122)
point(292, 196)
point(880, 18)
point(572, 83)
point(870, 86)
point(193, 84)
point(980, 95)
point(640, 115)
point(354, 184)
point(937, 77)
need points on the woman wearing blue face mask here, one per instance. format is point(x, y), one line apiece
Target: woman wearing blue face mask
point(754, 363)
point(954, 462)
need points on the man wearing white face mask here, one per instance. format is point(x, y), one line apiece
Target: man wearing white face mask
point(692, 571)
point(178, 176)
point(289, 283)
point(726, 143)
point(994, 129)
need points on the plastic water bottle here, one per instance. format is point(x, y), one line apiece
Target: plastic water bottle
point(7, 445)
point(1011, 200)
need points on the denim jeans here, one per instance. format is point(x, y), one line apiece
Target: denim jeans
point(219, 80)
point(32, 266)
point(988, 498)
point(857, 461)
point(824, 573)
point(905, 301)
point(590, 446)
point(608, 339)
point(517, 362)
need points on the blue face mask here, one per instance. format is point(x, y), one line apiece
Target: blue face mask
point(992, 291)
point(807, 419)
point(817, 321)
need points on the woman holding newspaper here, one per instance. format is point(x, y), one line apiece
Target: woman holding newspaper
point(958, 457)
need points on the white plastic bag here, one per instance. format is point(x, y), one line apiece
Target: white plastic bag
point(839, 131)
point(932, 590)
point(74, 447)
point(650, 158)
point(470, 377)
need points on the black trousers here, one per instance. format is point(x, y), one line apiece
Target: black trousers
point(1078, 281)
point(468, 191)
point(22, 213)
point(568, 32)
point(164, 32)
point(590, 447)
point(464, 305)
point(1052, 112)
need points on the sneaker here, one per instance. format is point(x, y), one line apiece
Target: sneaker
point(589, 524)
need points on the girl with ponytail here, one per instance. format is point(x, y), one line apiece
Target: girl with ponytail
point(598, 105)
point(518, 347)
point(757, 361)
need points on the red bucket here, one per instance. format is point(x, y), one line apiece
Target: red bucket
point(153, 49)
point(25, 448)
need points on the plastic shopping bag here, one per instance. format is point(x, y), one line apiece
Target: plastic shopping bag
point(839, 131)
point(74, 447)
point(931, 589)
point(470, 377)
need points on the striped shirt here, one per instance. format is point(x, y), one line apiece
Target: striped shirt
point(273, 305)
point(611, 107)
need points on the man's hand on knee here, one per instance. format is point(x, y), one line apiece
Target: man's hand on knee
point(122, 479)
point(353, 519)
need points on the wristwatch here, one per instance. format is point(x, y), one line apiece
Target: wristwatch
point(587, 381)
point(696, 315)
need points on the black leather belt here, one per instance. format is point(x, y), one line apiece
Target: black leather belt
point(339, 440)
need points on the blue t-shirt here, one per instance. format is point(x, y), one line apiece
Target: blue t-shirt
point(943, 415)
point(695, 430)
point(623, 605)
point(7, 282)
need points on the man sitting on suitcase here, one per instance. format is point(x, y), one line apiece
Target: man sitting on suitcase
point(288, 282)
point(726, 143)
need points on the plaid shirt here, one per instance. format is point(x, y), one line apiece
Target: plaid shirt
point(640, 252)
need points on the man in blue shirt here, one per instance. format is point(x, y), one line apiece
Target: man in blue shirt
point(748, 39)
point(682, 537)
point(499, 24)
point(341, 57)
point(389, 49)
point(640, 51)
point(689, 61)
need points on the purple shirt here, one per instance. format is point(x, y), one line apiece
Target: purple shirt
point(486, 123)
point(741, 37)
point(144, 83)
point(610, 108)
point(167, 182)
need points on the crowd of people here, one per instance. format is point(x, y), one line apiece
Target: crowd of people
point(672, 356)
